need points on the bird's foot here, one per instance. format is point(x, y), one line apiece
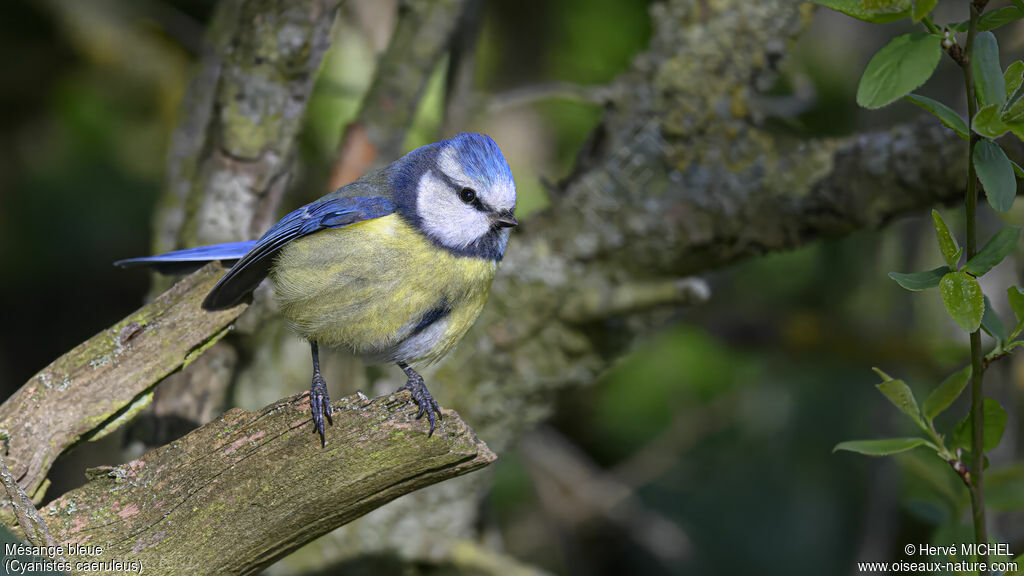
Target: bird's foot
point(320, 403)
point(421, 396)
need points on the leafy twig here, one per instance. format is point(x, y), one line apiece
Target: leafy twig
point(977, 355)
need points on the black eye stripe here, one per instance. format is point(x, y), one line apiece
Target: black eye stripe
point(476, 202)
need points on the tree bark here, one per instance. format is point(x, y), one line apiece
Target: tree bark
point(239, 493)
point(102, 383)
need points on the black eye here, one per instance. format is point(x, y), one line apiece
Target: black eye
point(467, 195)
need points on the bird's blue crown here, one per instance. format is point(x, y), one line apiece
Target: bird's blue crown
point(481, 158)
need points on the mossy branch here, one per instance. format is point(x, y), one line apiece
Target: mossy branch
point(232, 153)
point(100, 384)
point(250, 487)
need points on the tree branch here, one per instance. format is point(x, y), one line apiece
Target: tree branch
point(253, 486)
point(32, 524)
point(421, 38)
point(103, 382)
point(233, 152)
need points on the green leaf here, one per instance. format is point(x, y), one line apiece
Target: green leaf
point(944, 113)
point(1018, 3)
point(920, 280)
point(996, 174)
point(963, 299)
point(947, 393)
point(1013, 77)
point(922, 8)
point(881, 374)
point(880, 447)
point(1017, 169)
point(1004, 489)
point(1013, 110)
point(993, 252)
point(991, 323)
point(1016, 298)
point(856, 9)
point(947, 243)
point(901, 397)
point(886, 6)
point(1017, 128)
point(989, 122)
point(996, 18)
point(993, 425)
point(901, 66)
point(988, 75)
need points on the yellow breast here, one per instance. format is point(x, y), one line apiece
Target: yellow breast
point(368, 286)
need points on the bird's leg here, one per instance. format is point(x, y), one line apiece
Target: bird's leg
point(319, 401)
point(421, 396)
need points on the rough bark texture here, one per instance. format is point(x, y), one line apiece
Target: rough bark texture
point(33, 527)
point(250, 487)
point(231, 157)
point(102, 383)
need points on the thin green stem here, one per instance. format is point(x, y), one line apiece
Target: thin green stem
point(977, 355)
point(927, 21)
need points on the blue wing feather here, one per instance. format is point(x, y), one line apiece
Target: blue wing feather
point(330, 212)
point(229, 251)
point(252, 259)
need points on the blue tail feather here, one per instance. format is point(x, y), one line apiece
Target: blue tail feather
point(181, 261)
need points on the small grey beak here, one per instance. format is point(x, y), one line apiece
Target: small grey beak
point(505, 220)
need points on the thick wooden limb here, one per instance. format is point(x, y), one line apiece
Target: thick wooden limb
point(232, 153)
point(103, 382)
point(250, 487)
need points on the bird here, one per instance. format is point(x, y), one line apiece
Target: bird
point(395, 266)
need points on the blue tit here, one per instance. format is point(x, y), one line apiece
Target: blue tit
point(395, 266)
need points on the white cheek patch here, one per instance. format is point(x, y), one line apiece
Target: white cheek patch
point(446, 218)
